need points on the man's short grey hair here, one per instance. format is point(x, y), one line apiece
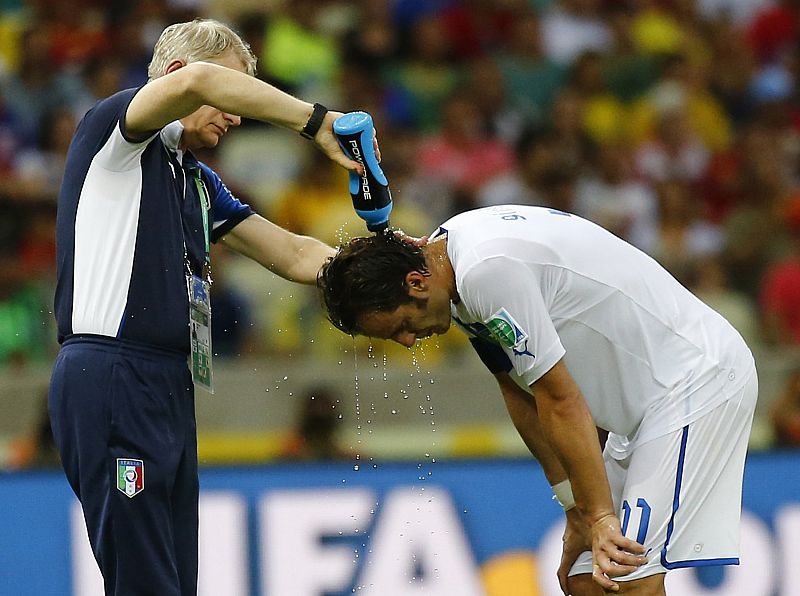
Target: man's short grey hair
point(195, 41)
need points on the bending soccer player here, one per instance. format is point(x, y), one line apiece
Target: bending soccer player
point(581, 330)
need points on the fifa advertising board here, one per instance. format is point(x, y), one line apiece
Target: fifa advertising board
point(473, 528)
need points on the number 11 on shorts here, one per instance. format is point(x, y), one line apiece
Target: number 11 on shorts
point(644, 521)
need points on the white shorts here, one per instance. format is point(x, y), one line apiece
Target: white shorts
point(681, 494)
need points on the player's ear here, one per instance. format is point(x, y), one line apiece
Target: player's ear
point(416, 284)
point(174, 65)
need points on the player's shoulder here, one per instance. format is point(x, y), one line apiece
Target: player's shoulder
point(103, 117)
point(111, 106)
point(495, 228)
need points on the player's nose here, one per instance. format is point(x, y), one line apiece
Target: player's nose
point(405, 338)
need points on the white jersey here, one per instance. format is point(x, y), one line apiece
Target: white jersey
point(647, 354)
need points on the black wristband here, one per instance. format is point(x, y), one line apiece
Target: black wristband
point(314, 121)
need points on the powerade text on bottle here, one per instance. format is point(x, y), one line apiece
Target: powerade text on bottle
point(372, 198)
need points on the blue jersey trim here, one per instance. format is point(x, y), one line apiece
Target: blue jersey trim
point(671, 526)
point(699, 563)
point(492, 356)
point(225, 207)
point(438, 233)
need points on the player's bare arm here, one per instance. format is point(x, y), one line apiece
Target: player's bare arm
point(569, 429)
point(522, 410)
point(293, 257)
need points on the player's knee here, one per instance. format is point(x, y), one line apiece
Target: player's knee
point(646, 586)
point(583, 585)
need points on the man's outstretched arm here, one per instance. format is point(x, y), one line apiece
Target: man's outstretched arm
point(186, 88)
point(293, 257)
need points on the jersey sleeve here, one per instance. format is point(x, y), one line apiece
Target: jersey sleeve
point(104, 125)
point(227, 211)
point(505, 296)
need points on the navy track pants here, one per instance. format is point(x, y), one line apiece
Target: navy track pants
point(123, 420)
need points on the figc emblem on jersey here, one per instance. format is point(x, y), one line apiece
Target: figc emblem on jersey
point(505, 330)
point(130, 476)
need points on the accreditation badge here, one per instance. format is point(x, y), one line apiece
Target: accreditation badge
point(200, 332)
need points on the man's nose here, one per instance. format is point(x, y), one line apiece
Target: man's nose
point(406, 339)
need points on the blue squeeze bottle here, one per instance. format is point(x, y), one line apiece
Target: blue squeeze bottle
point(371, 196)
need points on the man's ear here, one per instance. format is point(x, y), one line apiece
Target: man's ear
point(174, 65)
point(417, 284)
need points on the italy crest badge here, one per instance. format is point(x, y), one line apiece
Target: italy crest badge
point(130, 476)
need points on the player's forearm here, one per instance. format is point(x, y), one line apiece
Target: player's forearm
point(570, 431)
point(522, 410)
point(568, 426)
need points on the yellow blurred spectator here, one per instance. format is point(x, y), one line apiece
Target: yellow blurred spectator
point(11, 26)
point(682, 86)
point(655, 31)
point(604, 115)
point(294, 52)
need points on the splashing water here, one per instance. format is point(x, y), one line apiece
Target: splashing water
point(425, 408)
point(371, 356)
point(357, 405)
point(341, 235)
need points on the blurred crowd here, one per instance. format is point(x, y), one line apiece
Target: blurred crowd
point(674, 123)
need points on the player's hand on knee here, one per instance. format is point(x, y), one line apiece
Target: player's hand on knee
point(613, 554)
point(575, 541)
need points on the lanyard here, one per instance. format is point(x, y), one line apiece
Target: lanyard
point(205, 206)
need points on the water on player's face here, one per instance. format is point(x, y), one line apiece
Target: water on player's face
point(407, 323)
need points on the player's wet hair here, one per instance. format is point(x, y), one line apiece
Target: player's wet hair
point(368, 275)
point(197, 40)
